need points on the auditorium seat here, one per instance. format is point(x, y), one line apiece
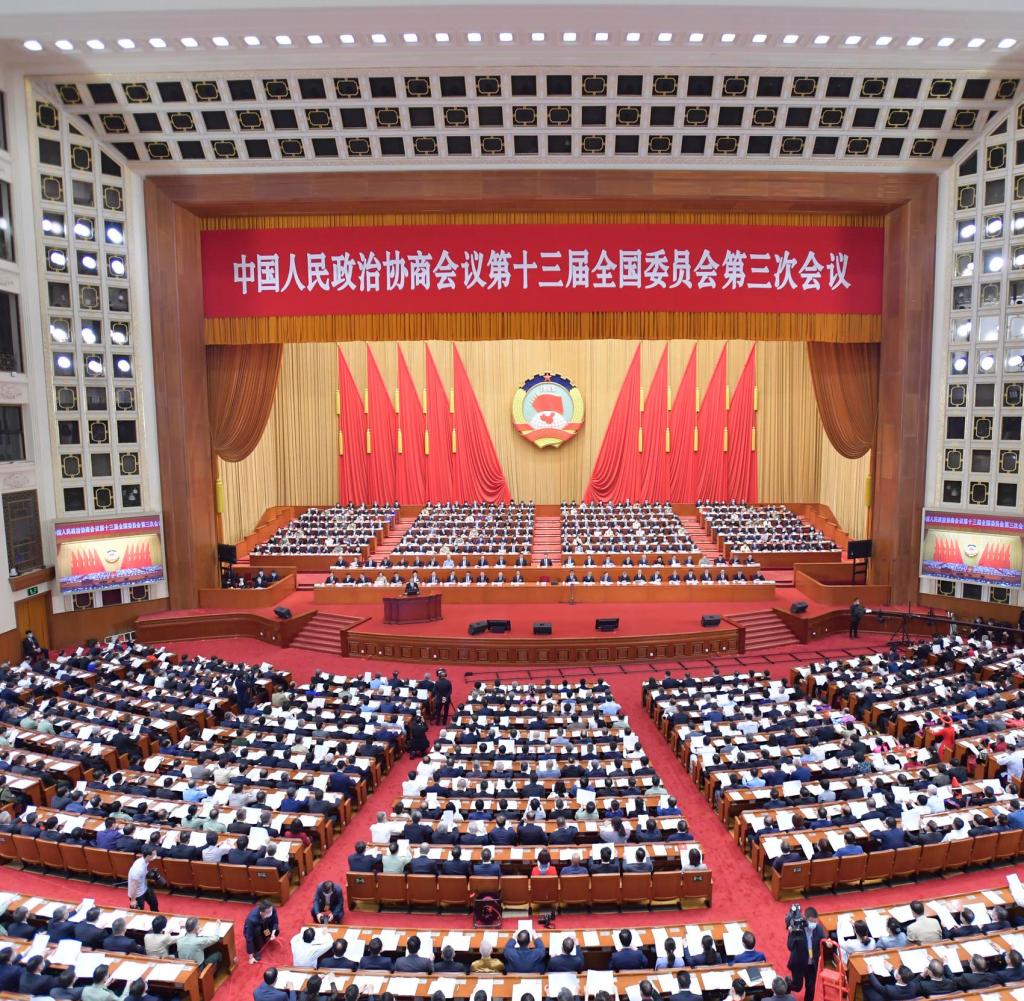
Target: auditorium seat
point(392, 889)
point(574, 891)
point(983, 849)
point(606, 890)
point(905, 862)
point(361, 890)
point(823, 873)
point(101, 866)
point(696, 888)
point(206, 876)
point(265, 881)
point(878, 868)
point(422, 891)
point(49, 855)
point(177, 872)
point(543, 891)
point(666, 888)
point(515, 892)
point(636, 889)
point(1009, 845)
point(73, 857)
point(958, 857)
point(484, 884)
point(27, 852)
point(851, 870)
point(234, 880)
point(933, 858)
point(453, 891)
point(791, 880)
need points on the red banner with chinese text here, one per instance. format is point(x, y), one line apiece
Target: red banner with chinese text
point(542, 268)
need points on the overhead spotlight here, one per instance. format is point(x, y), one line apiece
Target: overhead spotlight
point(995, 264)
point(222, 43)
point(126, 43)
point(59, 334)
point(474, 36)
point(632, 36)
point(600, 36)
point(987, 363)
point(883, 40)
point(95, 44)
point(945, 42)
point(759, 39)
point(568, 36)
point(124, 366)
point(251, 40)
point(696, 36)
point(95, 366)
point(664, 36)
point(64, 362)
point(442, 37)
point(58, 258)
point(959, 364)
point(189, 42)
point(116, 267)
point(347, 39)
point(968, 230)
point(64, 45)
point(88, 335)
point(313, 39)
point(33, 46)
point(537, 36)
point(852, 40)
point(729, 37)
point(505, 36)
point(993, 226)
point(158, 43)
point(82, 230)
point(88, 262)
point(976, 43)
point(790, 39)
point(1018, 259)
point(1014, 361)
point(1004, 43)
point(963, 330)
point(822, 39)
point(283, 39)
point(410, 38)
point(379, 38)
point(914, 41)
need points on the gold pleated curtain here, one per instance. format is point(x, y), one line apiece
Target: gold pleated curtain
point(845, 378)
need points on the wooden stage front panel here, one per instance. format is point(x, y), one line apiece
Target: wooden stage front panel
point(539, 594)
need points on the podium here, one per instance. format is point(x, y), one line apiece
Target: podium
point(415, 608)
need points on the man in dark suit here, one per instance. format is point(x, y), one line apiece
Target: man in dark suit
point(804, 943)
point(936, 980)
point(684, 993)
point(242, 854)
point(416, 832)
point(856, 614)
point(267, 991)
point(88, 932)
point(423, 864)
point(360, 861)
point(569, 960)
point(531, 833)
point(486, 866)
point(58, 927)
point(117, 941)
point(455, 865)
point(626, 957)
point(891, 838)
point(977, 977)
point(903, 988)
point(606, 865)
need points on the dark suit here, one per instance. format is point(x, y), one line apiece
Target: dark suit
point(803, 959)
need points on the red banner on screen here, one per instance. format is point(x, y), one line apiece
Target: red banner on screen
point(542, 268)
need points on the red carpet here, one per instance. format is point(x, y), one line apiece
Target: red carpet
point(738, 893)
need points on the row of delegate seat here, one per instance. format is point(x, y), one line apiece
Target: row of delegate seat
point(670, 888)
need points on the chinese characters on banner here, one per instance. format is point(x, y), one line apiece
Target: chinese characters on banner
point(542, 268)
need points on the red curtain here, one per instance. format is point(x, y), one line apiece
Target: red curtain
point(477, 470)
point(352, 479)
point(845, 379)
point(410, 462)
point(712, 471)
point(438, 443)
point(380, 460)
point(241, 383)
point(653, 426)
point(742, 423)
point(616, 472)
point(682, 422)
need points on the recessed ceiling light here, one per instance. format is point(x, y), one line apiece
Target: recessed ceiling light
point(883, 40)
point(945, 43)
point(474, 36)
point(347, 39)
point(664, 36)
point(95, 44)
point(190, 43)
point(410, 38)
point(126, 43)
point(251, 40)
point(222, 43)
point(505, 36)
point(600, 36)
point(914, 41)
point(379, 38)
point(64, 45)
point(312, 39)
point(852, 40)
point(759, 38)
point(568, 36)
point(283, 39)
point(976, 43)
point(1004, 43)
point(790, 39)
point(442, 36)
point(536, 36)
point(696, 36)
point(632, 36)
point(729, 37)
point(158, 43)
point(821, 39)
point(33, 46)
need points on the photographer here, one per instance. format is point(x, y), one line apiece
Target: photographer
point(804, 943)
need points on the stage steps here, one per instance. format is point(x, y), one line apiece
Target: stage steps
point(764, 630)
point(700, 535)
point(394, 535)
point(323, 633)
point(547, 539)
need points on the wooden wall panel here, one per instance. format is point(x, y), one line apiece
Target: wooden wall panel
point(183, 419)
point(68, 629)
